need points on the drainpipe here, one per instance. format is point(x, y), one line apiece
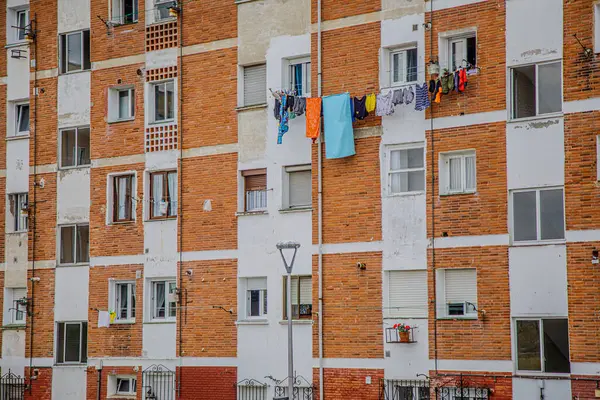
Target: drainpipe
point(179, 198)
point(99, 381)
point(320, 203)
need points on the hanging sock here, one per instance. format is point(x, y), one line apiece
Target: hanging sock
point(313, 117)
point(384, 104)
point(422, 97)
point(370, 103)
point(283, 121)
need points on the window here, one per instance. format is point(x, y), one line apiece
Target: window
point(299, 77)
point(457, 172)
point(122, 201)
point(18, 305)
point(457, 293)
point(21, 23)
point(161, 9)
point(124, 301)
point(256, 297)
point(75, 52)
point(536, 90)
point(22, 119)
point(301, 297)
point(407, 294)
point(462, 52)
point(538, 215)
point(255, 85)
point(164, 101)
point(406, 173)
point(71, 343)
point(299, 187)
point(543, 345)
point(74, 244)
point(124, 11)
point(164, 300)
point(255, 189)
point(126, 385)
point(163, 194)
point(403, 66)
point(121, 104)
point(75, 147)
point(19, 210)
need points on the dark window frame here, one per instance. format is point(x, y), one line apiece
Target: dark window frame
point(61, 342)
point(78, 258)
point(64, 51)
point(129, 210)
point(543, 344)
point(166, 195)
point(297, 315)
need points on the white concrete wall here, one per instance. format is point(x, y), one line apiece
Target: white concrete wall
point(74, 15)
point(13, 351)
point(71, 294)
point(18, 71)
point(530, 389)
point(15, 274)
point(159, 340)
point(69, 383)
point(17, 166)
point(73, 196)
point(74, 99)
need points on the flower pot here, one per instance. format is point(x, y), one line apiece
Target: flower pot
point(404, 337)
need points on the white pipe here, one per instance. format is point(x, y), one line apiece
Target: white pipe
point(320, 206)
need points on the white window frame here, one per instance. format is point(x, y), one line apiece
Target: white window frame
point(169, 283)
point(596, 6)
point(65, 37)
point(537, 217)
point(59, 243)
point(511, 109)
point(20, 223)
point(152, 115)
point(14, 308)
point(18, 116)
point(158, 3)
point(65, 323)
point(403, 67)
point(131, 379)
point(445, 178)
point(389, 171)
point(118, 12)
point(18, 31)
point(296, 280)
point(115, 301)
point(114, 108)
point(463, 40)
point(242, 86)
point(60, 138)
point(306, 74)
point(442, 308)
point(540, 322)
point(263, 299)
point(287, 186)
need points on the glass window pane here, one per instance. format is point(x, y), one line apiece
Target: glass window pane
point(524, 216)
point(415, 158)
point(457, 54)
point(23, 118)
point(254, 303)
point(83, 146)
point(157, 195)
point(132, 288)
point(528, 346)
point(416, 181)
point(550, 82)
point(455, 174)
point(170, 100)
point(523, 97)
point(172, 304)
point(72, 342)
point(123, 301)
point(556, 345)
point(411, 65)
point(396, 65)
point(472, 51)
point(552, 220)
point(470, 173)
point(83, 243)
point(74, 52)
point(21, 23)
point(67, 239)
point(124, 104)
point(159, 102)
point(159, 300)
point(67, 151)
point(172, 195)
point(395, 157)
point(130, 11)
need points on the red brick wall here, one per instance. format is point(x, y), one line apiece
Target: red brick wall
point(44, 202)
point(334, 9)
point(43, 317)
point(119, 340)
point(486, 91)
point(46, 134)
point(348, 383)
point(214, 383)
point(208, 331)
point(218, 20)
point(488, 337)
point(46, 14)
point(352, 298)
point(107, 372)
point(121, 138)
point(209, 99)
point(584, 389)
point(41, 387)
point(480, 213)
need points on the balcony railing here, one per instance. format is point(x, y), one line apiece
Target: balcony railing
point(404, 389)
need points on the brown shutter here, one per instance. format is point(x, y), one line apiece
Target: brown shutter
point(255, 179)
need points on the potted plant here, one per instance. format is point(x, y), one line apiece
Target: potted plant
point(403, 332)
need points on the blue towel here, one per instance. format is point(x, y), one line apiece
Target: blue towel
point(337, 119)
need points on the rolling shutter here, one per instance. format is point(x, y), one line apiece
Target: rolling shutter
point(408, 294)
point(461, 285)
point(300, 188)
point(255, 85)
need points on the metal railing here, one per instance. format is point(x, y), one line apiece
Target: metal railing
point(250, 389)
point(158, 383)
point(12, 387)
point(404, 389)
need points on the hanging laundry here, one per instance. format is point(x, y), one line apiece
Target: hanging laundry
point(292, 115)
point(398, 97)
point(352, 110)
point(370, 103)
point(422, 97)
point(290, 103)
point(444, 79)
point(299, 105)
point(432, 86)
point(384, 104)
point(463, 80)
point(450, 82)
point(283, 119)
point(103, 319)
point(360, 108)
point(339, 135)
point(313, 117)
point(438, 93)
point(456, 80)
point(409, 95)
point(276, 109)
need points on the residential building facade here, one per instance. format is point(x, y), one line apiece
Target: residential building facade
point(146, 190)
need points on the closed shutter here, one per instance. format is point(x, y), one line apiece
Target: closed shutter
point(256, 283)
point(255, 179)
point(306, 290)
point(461, 285)
point(300, 188)
point(255, 85)
point(408, 293)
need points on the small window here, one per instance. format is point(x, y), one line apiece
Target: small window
point(124, 301)
point(536, 90)
point(462, 52)
point(255, 189)
point(75, 147)
point(543, 345)
point(126, 385)
point(161, 9)
point(403, 66)
point(256, 297)
point(407, 294)
point(255, 85)
point(18, 307)
point(19, 210)
point(163, 195)
point(75, 52)
point(21, 23)
point(122, 201)
point(301, 297)
point(299, 77)
point(22, 119)
point(406, 170)
point(121, 104)
point(124, 11)
point(459, 293)
point(163, 94)
point(458, 173)
point(71, 343)
point(538, 215)
point(299, 186)
point(74, 244)
point(164, 300)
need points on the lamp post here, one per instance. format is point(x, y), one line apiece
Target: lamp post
point(288, 268)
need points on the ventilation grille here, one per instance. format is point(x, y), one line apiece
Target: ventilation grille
point(161, 36)
point(160, 138)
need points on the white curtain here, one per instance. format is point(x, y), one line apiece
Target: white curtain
point(160, 300)
point(173, 194)
point(157, 194)
point(455, 174)
point(123, 198)
point(470, 172)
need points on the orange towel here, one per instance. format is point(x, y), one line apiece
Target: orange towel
point(438, 96)
point(313, 117)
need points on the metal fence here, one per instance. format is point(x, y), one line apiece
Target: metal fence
point(463, 393)
point(303, 389)
point(12, 387)
point(158, 383)
point(250, 389)
point(403, 389)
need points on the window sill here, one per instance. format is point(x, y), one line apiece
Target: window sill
point(160, 322)
point(540, 374)
point(74, 72)
point(458, 317)
point(419, 193)
point(61, 168)
point(116, 121)
point(243, 1)
point(161, 219)
point(71, 365)
point(17, 232)
point(252, 322)
point(253, 106)
point(248, 213)
point(163, 21)
point(20, 43)
point(163, 122)
point(13, 327)
point(297, 322)
point(538, 243)
point(535, 118)
point(122, 396)
point(395, 318)
point(457, 193)
point(18, 137)
point(124, 322)
point(400, 85)
point(122, 222)
point(295, 210)
point(85, 264)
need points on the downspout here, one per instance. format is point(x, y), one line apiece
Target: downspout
point(179, 198)
point(99, 382)
point(320, 203)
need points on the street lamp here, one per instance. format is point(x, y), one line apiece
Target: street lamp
point(288, 267)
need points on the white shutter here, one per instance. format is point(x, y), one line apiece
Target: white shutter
point(300, 188)
point(256, 283)
point(461, 285)
point(255, 85)
point(407, 293)
point(306, 290)
point(294, 289)
point(470, 173)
